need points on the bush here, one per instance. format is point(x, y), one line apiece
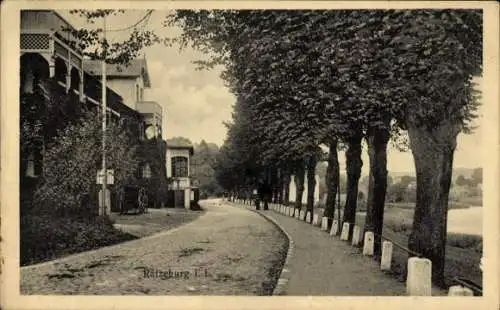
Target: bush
point(72, 160)
point(45, 237)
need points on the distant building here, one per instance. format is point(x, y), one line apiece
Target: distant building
point(178, 159)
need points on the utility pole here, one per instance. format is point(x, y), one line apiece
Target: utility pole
point(104, 112)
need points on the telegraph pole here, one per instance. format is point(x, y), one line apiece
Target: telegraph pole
point(104, 111)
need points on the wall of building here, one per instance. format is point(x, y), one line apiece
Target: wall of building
point(173, 153)
point(125, 87)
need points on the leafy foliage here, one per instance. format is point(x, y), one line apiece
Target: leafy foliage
point(72, 160)
point(93, 44)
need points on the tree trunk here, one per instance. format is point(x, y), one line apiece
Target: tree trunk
point(279, 186)
point(353, 167)
point(286, 189)
point(332, 181)
point(299, 184)
point(311, 183)
point(433, 154)
point(377, 152)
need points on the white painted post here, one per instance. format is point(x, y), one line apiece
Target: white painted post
point(308, 216)
point(335, 228)
point(458, 290)
point(324, 223)
point(356, 234)
point(418, 282)
point(344, 236)
point(468, 292)
point(296, 213)
point(386, 260)
point(316, 219)
point(302, 215)
point(368, 244)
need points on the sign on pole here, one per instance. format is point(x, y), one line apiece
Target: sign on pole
point(110, 180)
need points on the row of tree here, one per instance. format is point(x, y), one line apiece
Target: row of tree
point(336, 77)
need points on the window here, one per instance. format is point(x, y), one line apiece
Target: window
point(142, 94)
point(137, 92)
point(179, 167)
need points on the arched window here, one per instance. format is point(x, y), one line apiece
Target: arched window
point(33, 69)
point(179, 167)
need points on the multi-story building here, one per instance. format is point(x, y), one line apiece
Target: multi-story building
point(50, 58)
point(48, 54)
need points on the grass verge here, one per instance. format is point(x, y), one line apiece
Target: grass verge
point(463, 251)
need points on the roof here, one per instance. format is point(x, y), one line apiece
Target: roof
point(137, 67)
point(176, 144)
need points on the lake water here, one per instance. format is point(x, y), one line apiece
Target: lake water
point(466, 221)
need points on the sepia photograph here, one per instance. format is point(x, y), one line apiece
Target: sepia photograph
point(239, 151)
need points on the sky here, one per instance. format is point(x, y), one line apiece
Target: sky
point(196, 103)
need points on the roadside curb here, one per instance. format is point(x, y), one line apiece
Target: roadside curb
point(281, 287)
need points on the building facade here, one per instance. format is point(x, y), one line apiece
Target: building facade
point(178, 172)
point(51, 64)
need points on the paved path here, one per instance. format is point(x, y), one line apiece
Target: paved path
point(226, 251)
point(323, 265)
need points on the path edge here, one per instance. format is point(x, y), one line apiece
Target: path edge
point(281, 287)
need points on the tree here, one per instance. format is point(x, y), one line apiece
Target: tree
point(437, 52)
point(94, 46)
point(72, 160)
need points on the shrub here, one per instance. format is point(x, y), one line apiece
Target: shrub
point(45, 237)
point(71, 162)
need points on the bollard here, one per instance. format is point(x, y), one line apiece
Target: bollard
point(386, 260)
point(335, 228)
point(324, 223)
point(368, 244)
point(308, 216)
point(356, 233)
point(468, 292)
point(344, 236)
point(296, 213)
point(458, 290)
point(315, 219)
point(418, 282)
point(302, 215)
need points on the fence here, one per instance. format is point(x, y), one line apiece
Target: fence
point(418, 268)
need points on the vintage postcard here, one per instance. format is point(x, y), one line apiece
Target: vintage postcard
point(238, 154)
